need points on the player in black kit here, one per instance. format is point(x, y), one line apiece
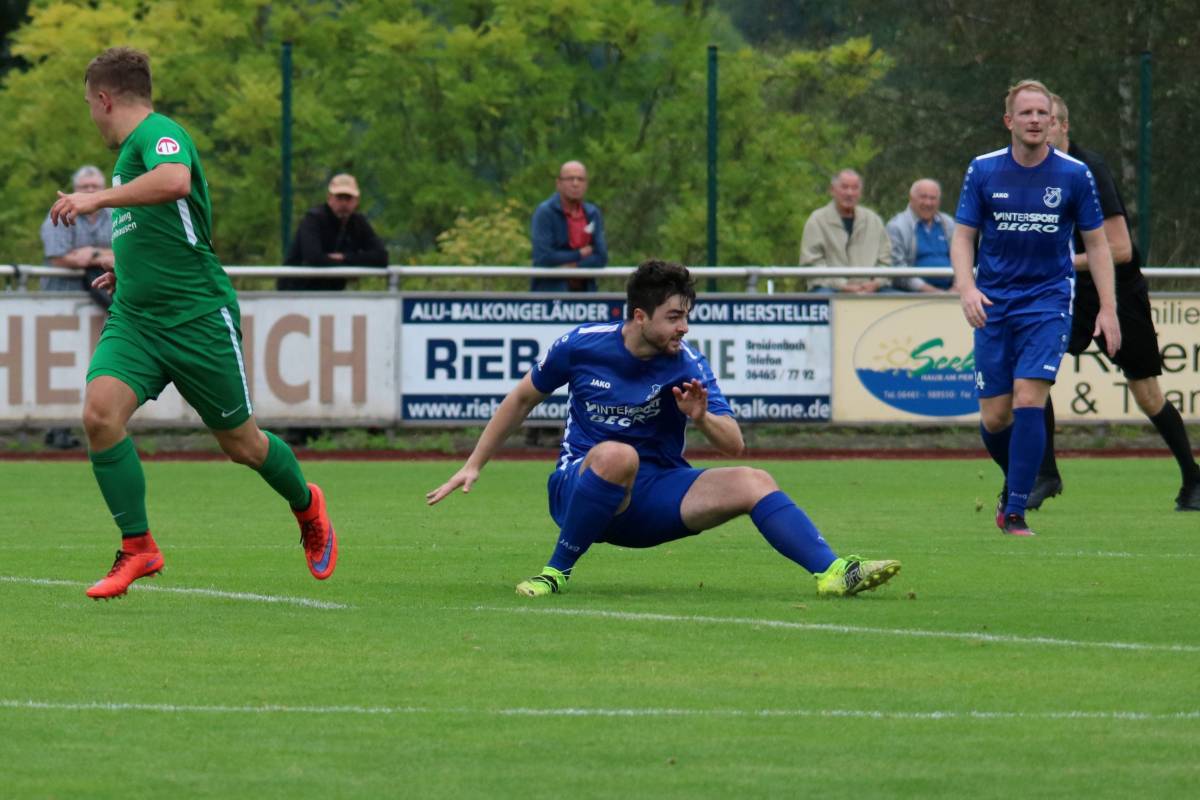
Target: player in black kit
point(1139, 357)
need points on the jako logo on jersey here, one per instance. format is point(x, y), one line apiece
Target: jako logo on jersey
point(1052, 197)
point(999, 195)
point(600, 384)
point(166, 146)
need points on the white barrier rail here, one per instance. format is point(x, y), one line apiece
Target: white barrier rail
point(396, 274)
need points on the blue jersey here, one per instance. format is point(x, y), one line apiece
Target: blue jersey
point(1027, 217)
point(616, 396)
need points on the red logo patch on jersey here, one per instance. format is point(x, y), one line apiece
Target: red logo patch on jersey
point(166, 146)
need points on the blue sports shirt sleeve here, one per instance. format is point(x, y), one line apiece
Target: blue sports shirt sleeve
point(554, 368)
point(1088, 215)
point(717, 404)
point(970, 204)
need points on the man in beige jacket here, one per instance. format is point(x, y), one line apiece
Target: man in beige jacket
point(845, 234)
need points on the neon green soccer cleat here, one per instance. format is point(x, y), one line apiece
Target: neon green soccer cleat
point(852, 574)
point(551, 581)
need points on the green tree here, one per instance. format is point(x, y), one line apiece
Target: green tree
point(941, 103)
point(451, 114)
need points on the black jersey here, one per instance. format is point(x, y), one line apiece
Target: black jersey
point(1111, 205)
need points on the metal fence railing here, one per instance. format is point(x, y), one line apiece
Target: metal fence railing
point(19, 275)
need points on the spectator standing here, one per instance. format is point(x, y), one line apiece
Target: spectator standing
point(845, 234)
point(87, 247)
point(921, 236)
point(334, 234)
point(568, 232)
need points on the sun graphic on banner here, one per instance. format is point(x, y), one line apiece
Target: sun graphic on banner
point(895, 354)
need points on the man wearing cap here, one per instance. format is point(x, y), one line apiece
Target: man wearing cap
point(334, 234)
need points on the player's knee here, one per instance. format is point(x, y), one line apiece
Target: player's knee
point(1148, 395)
point(757, 483)
point(614, 461)
point(754, 485)
point(995, 419)
point(240, 452)
point(100, 420)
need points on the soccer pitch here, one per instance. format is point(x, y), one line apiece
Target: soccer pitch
point(991, 666)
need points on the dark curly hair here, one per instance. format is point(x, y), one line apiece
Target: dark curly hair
point(654, 281)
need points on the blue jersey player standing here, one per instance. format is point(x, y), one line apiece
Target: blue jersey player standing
point(1025, 202)
point(621, 477)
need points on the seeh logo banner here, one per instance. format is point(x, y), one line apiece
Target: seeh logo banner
point(912, 359)
point(902, 359)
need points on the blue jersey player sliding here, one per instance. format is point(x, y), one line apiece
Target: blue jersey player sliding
point(1025, 202)
point(621, 477)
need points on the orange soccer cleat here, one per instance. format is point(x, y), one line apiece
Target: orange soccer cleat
point(317, 536)
point(142, 560)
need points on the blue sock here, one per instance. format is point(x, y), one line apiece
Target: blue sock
point(592, 507)
point(791, 532)
point(997, 445)
point(1029, 440)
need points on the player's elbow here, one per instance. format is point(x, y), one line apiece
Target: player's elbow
point(1122, 253)
point(174, 181)
point(181, 186)
point(733, 450)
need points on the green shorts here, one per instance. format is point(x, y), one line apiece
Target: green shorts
point(202, 357)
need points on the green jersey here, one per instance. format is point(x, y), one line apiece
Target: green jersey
point(167, 272)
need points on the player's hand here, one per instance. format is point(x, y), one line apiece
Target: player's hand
point(1107, 324)
point(465, 478)
point(107, 281)
point(692, 399)
point(973, 302)
point(69, 207)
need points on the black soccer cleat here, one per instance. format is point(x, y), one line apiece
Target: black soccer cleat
point(1045, 487)
point(1188, 498)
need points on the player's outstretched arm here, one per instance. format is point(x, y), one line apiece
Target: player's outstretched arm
point(1099, 259)
point(721, 431)
point(165, 183)
point(962, 257)
point(508, 417)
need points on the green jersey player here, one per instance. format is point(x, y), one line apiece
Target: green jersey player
point(174, 319)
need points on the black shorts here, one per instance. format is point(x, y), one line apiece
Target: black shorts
point(1139, 356)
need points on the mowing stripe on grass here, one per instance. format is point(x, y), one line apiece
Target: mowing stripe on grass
point(628, 616)
point(247, 596)
point(822, 713)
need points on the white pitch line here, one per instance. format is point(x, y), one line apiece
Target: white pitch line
point(818, 713)
point(829, 628)
point(141, 587)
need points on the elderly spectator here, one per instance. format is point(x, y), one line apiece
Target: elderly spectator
point(845, 234)
point(921, 236)
point(334, 234)
point(85, 246)
point(568, 232)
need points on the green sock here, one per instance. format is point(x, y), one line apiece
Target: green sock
point(282, 471)
point(118, 470)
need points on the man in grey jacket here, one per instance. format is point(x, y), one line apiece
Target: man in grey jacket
point(845, 234)
point(920, 237)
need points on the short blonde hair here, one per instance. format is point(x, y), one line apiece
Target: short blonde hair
point(1057, 104)
point(1027, 85)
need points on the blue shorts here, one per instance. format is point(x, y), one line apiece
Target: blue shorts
point(653, 516)
point(1020, 346)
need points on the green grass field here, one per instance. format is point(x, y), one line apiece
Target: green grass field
point(1065, 665)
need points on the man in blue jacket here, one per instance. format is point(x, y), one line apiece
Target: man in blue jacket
point(567, 232)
